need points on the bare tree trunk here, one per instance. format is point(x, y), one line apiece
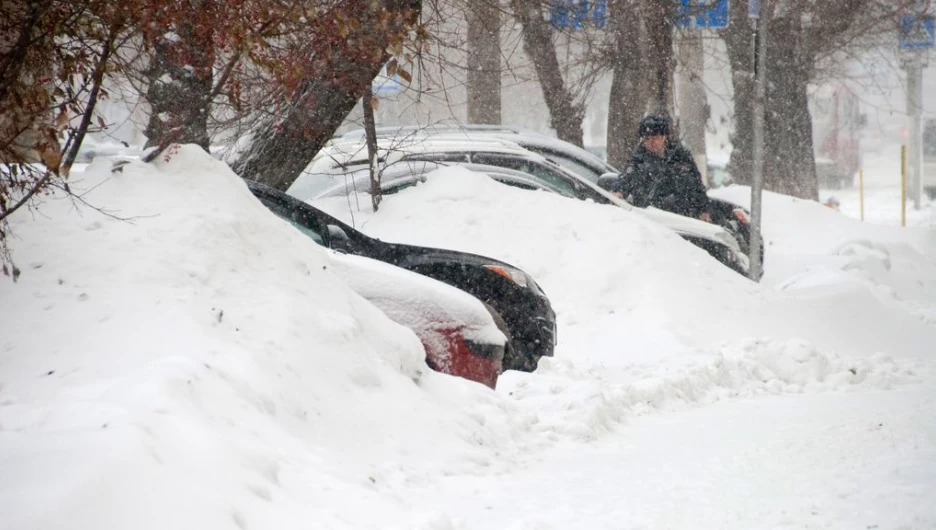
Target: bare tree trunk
point(692, 105)
point(180, 79)
point(566, 117)
point(659, 16)
point(789, 162)
point(333, 84)
point(370, 135)
point(627, 100)
point(484, 54)
point(739, 42)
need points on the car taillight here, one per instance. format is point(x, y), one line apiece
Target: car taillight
point(741, 215)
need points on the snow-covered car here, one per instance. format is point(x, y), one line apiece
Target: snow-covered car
point(732, 217)
point(458, 333)
point(403, 174)
point(518, 305)
point(341, 159)
point(567, 155)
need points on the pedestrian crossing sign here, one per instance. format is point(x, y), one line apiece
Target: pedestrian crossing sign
point(917, 32)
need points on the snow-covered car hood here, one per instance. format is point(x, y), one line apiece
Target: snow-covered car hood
point(681, 224)
point(416, 301)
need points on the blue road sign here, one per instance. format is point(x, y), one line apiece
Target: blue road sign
point(917, 32)
point(711, 14)
point(574, 14)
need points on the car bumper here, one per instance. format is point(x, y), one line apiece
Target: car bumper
point(533, 337)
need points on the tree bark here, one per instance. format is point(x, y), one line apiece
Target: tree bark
point(484, 75)
point(659, 16)
point(692, 104)
point(370, 135)
point(626, 104)
point(789, 161)
point(336, 76)
point(565, 115)
point(739, 42)
point(180, 78)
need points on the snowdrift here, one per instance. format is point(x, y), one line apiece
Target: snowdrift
point(646, 320)
point(184, 359)
point(615, 275)
point(188, 360)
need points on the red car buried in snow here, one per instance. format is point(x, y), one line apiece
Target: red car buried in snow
point(461, 335)
point(458, 333)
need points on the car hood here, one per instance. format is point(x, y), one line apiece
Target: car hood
point(691, 227)
point(417, 255)
point(682, 225)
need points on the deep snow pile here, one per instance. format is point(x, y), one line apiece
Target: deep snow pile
point(896, 264)
point(647, 320)
point(196, 366)
point(203, 366)
point(609, 270)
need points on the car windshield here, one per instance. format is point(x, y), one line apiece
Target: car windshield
point(393, 177)
point(591, 172)
point(311, 185)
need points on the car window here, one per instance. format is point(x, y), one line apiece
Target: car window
point(573, 165)
point(306, 224)
point(554, 178)
point(438, 157)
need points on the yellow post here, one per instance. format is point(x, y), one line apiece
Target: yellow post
point(903, 185)
point(861, 190)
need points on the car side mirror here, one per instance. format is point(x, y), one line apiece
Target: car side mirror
point(338, 239)
point(607, 180)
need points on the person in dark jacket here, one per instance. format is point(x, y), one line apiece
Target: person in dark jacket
point(662, 173)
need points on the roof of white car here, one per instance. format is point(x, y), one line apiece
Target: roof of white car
point(522, 137)
point(342, 153)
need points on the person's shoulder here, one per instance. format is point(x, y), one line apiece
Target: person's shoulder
point(677, 151)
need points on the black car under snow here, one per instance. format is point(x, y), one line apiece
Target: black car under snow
point(516, 302)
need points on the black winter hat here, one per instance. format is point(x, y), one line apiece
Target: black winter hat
point(653, 125)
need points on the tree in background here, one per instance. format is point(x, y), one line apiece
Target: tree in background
point(290, 70)
point(636, 47)
point(180, 42)
point(483, 81)
point(319, 77)
point(630, 80)
point(801, 35)
point(566, 114)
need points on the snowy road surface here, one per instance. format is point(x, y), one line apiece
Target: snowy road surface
point(805, 461)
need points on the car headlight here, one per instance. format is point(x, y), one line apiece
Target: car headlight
point(517, 276)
